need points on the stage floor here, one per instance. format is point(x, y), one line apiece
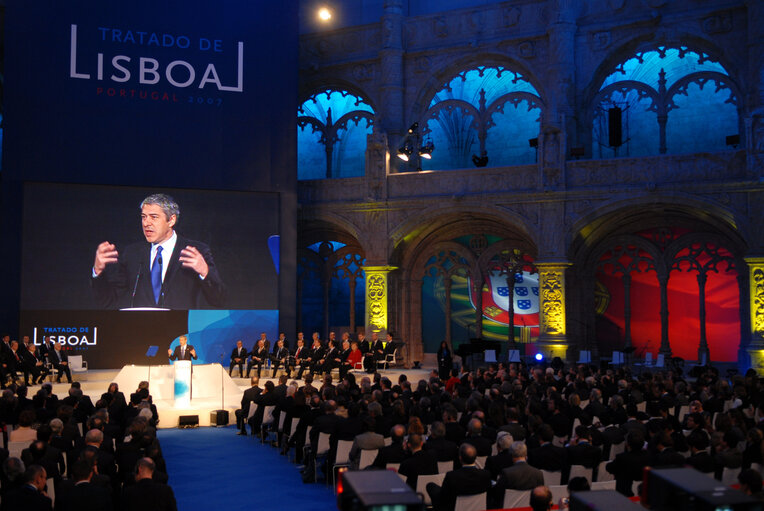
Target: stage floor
point(96, 381)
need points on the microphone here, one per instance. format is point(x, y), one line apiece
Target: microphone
point(135, 287)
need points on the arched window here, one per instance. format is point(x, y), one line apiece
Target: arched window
point(486, 111)
point(328, 275)
point(663, 101)
point(331, 135)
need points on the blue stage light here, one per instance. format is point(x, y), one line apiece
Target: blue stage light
point(539, 357)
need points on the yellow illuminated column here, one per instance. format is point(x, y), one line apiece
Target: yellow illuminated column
point(376, 298)
point(756, 297)
point(553, 341)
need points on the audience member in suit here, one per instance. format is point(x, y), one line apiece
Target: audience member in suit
point(513, 427)
point(629, 466)
point(665, 455)
point(395, 452)
point(301, 356)
point(317, 353)
point(15, 362)
point(280, 357)
point(581, 451)
point(34, 363)
point(503, 459)
point(257, 357)
point(466, 480)
point(265, 398)
point(377, 347)
point(83, 495)
point(147, 493)
point(699, 458)
point(520, 476)
point(454, 431)
point(541, 499)
point(30, 496)
point(547, 456)
point(238, 357)
point(366, 441)
point(474, 437)
point(444, 449)
point(727, 455)
point(420, 462)
point(632, 422)
point(60, 361)
point(40, 452)
point(12, 475)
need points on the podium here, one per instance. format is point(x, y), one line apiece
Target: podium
point(182, 370)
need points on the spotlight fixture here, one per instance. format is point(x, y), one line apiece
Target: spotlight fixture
point(426, 150)
point(539, 357)
point(406, 150)
point(324, 14)
point(480, 161)
point(414, 128)
point(733, 140)
point(533, 142)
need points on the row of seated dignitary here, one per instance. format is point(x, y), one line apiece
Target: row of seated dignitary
point(116, 464)
point(318, 357)
point(509, 403)
point(32, 360)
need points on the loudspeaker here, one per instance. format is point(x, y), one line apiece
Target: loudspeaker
point(219, 418)
point(188, 421)
point(614, 127)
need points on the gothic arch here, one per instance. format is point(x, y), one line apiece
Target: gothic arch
point(421, 103)
point(614, 238)
point(310, 87)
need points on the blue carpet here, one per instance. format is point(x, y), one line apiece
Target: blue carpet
point(213, 468)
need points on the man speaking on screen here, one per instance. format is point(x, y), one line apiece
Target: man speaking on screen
point(168, 271)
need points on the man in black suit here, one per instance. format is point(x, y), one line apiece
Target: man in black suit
point(474, 437)
point(581, 452)
point(395, 452)
point(147, 493)
point(30, 496)
point(467, 480)
point(257, 357)
point(168, 271)
point(444, 449)
point(247, 398)
point(60, 361)
point(628, 466)
point(301, 356)
point(83, 495)
point(183, 351)
point(547, 456)
point(238, 356)
point(280, 357)
point(420, 462)
point(699, 458)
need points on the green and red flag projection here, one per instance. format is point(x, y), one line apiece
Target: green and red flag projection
point(687, 256)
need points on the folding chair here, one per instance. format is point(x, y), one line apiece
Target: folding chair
point(445, 466)
point(516, 498)
point(422, 482)
point(342, 458)
point(604, 485)
point(581, 471)
point(367, 458)
point(472, 502)
point(552, 478)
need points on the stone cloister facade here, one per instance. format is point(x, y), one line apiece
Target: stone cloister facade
point(570, 212)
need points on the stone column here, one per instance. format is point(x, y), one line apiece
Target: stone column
point(377, 297)
point(665, 348)
point(703, 344)
point(756, 305)
point(389, 116)
point(553, 340)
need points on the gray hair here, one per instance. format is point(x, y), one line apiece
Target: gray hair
point(167, 203)
point(504, 441)
point(518, 450)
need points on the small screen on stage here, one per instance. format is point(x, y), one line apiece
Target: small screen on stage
point(93, 248)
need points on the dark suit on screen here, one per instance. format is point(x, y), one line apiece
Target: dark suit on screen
point(182, 288)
